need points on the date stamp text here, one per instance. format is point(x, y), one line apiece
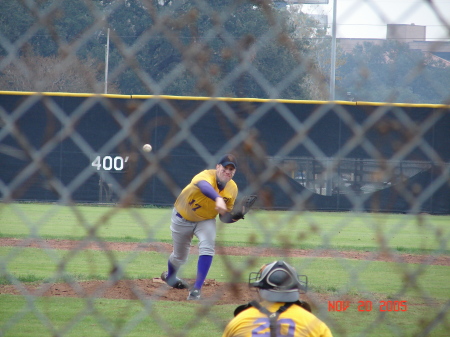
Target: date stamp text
point(369, 305)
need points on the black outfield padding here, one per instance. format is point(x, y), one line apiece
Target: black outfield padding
point(93, 146)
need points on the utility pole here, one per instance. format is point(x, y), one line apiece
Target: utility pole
point(333, 55)
point(333, 41)
point(106, 62)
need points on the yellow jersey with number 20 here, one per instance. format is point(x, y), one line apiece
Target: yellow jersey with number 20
point(194, 206)
point(294, 322)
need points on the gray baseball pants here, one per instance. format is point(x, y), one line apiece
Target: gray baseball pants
point(183, 232)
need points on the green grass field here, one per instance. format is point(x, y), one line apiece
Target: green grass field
point(425, 287)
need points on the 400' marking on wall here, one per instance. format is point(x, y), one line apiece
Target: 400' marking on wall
point(108, 163)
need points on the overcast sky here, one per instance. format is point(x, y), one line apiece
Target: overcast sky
point(368, 18)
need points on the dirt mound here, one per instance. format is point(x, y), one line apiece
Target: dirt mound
point(213, 291)
point(152, 289)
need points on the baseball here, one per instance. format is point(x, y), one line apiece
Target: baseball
point(147, 147)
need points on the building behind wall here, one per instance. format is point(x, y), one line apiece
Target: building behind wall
point(413, 35)
point(406, 33)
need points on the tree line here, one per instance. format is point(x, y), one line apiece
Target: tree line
point(191, 48)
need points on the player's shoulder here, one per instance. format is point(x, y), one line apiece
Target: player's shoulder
point(232, 184)
point(204, 174)
point(209, 172)
point(306, 316)
point(232, 188)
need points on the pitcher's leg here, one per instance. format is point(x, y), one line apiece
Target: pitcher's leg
point(203, 265)
point(182, 234)
point(206, 233)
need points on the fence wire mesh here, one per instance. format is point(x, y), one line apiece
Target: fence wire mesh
point(353, 193)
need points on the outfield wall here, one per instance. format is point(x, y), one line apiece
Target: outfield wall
point(87, 148)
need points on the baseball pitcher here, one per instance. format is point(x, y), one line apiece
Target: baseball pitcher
point(210, 193)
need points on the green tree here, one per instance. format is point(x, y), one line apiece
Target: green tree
point(391, 72)
point(45, 49)
point(46, 25)
point(33, 72)
point(226, 48)
point(15, 20)
point(222, 48)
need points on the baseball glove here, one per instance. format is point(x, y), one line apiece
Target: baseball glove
point(243, 207)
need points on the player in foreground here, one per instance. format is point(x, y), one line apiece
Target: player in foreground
point(210, 192)
point(280, 313)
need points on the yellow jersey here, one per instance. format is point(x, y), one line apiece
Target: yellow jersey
point(194, 206)
point(294, 322)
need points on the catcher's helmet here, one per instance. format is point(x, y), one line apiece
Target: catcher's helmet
point(278, 282)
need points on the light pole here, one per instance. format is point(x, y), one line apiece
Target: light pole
point(333, 41)
point(106, 62)
point(333, 55)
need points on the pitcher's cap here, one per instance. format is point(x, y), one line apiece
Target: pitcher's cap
point(228, 159)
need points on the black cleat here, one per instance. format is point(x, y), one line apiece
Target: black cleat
point(174, 282)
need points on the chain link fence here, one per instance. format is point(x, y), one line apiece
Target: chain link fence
point(352, 192)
